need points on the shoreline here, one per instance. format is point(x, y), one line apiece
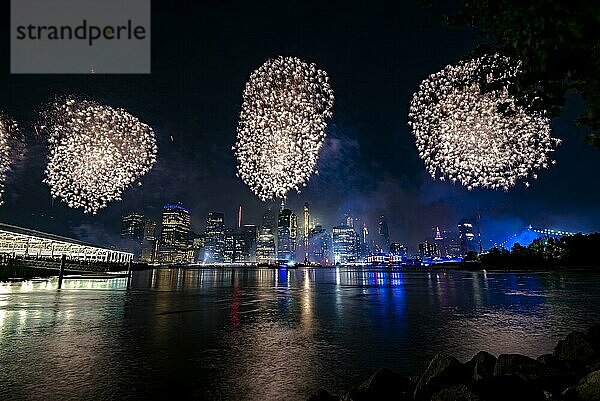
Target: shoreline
point(24, 273)
point(570, 373)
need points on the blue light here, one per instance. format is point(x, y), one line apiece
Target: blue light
point(177, 207)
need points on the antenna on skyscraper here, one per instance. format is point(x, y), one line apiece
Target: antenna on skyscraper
point(479, 229)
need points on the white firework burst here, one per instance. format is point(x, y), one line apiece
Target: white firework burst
point(95, 152)
point(286, 104)
point(479, 138)
point(10, 149)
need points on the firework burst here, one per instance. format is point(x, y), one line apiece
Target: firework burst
point(11, 148)
point(95, 152)
point(286, 104)
point(480, 138)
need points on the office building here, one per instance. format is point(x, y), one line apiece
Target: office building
point(265, 246)
point(175, 234)
point(287, 231)
point(247, 246)
point(149, 242)
point(427, 250)
point(319, 246)
point(214, 242)
point(469, 240)
point(132, 226)
point(344, 244)
point(384, 235)
point(306, 225)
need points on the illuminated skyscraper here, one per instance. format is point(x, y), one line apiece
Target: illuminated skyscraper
point(265, 246)
point(132, 234)
point(349, 220)
point(287, 231)
point(247, 247)
point(306, 224)
point(344, 244)
point(214, 242)
point(132, 226)
point(175, 234)
point(319, 246)
point(270, 220)
point(398, 249)
point(364, 243)
point(467, 237)
point(149, 242)
point(229, 249)
point(427, 250)
point(440, 243)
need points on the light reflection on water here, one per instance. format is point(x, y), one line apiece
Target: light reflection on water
point(246, 334)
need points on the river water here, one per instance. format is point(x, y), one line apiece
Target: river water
point(246, 334)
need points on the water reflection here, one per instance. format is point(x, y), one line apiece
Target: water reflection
point(270, 334)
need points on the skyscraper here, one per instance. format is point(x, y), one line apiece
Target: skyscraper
point(270, 220)
point(398, 249)
point(149, 242)
point(249, 234)
point(287, 231)
point(265, 246)
point(344, 244)
point(229, 248)
point(132, 226)
point(132, 234)
point(239, 244)
point(319, 246)
point(384, 234)
point(175, 244)
point(440, 243)
point(427, 250)
point(214, 242)
point(466, 236)
point(306, 224)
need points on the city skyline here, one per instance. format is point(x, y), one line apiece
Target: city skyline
point(280, 235)
point(369, 163)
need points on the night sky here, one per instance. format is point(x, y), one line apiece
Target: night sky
point(376, 56)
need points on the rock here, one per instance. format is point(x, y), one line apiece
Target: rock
point(547, 359)
point(356, 395)
point(519, 365)
point(569, 369)
point(481, 365)
point(538, 374)
point(388, 385)
point(593, 335)
point(455, 393)
point(575, 347)
point(588, 389)
point(323, 395)
point(443, 371)
point(505, 388)
point(569, 393)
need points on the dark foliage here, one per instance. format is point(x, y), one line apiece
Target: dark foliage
point(558, 43)
point(570, 251)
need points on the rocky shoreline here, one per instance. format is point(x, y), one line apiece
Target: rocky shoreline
point(570, 373)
